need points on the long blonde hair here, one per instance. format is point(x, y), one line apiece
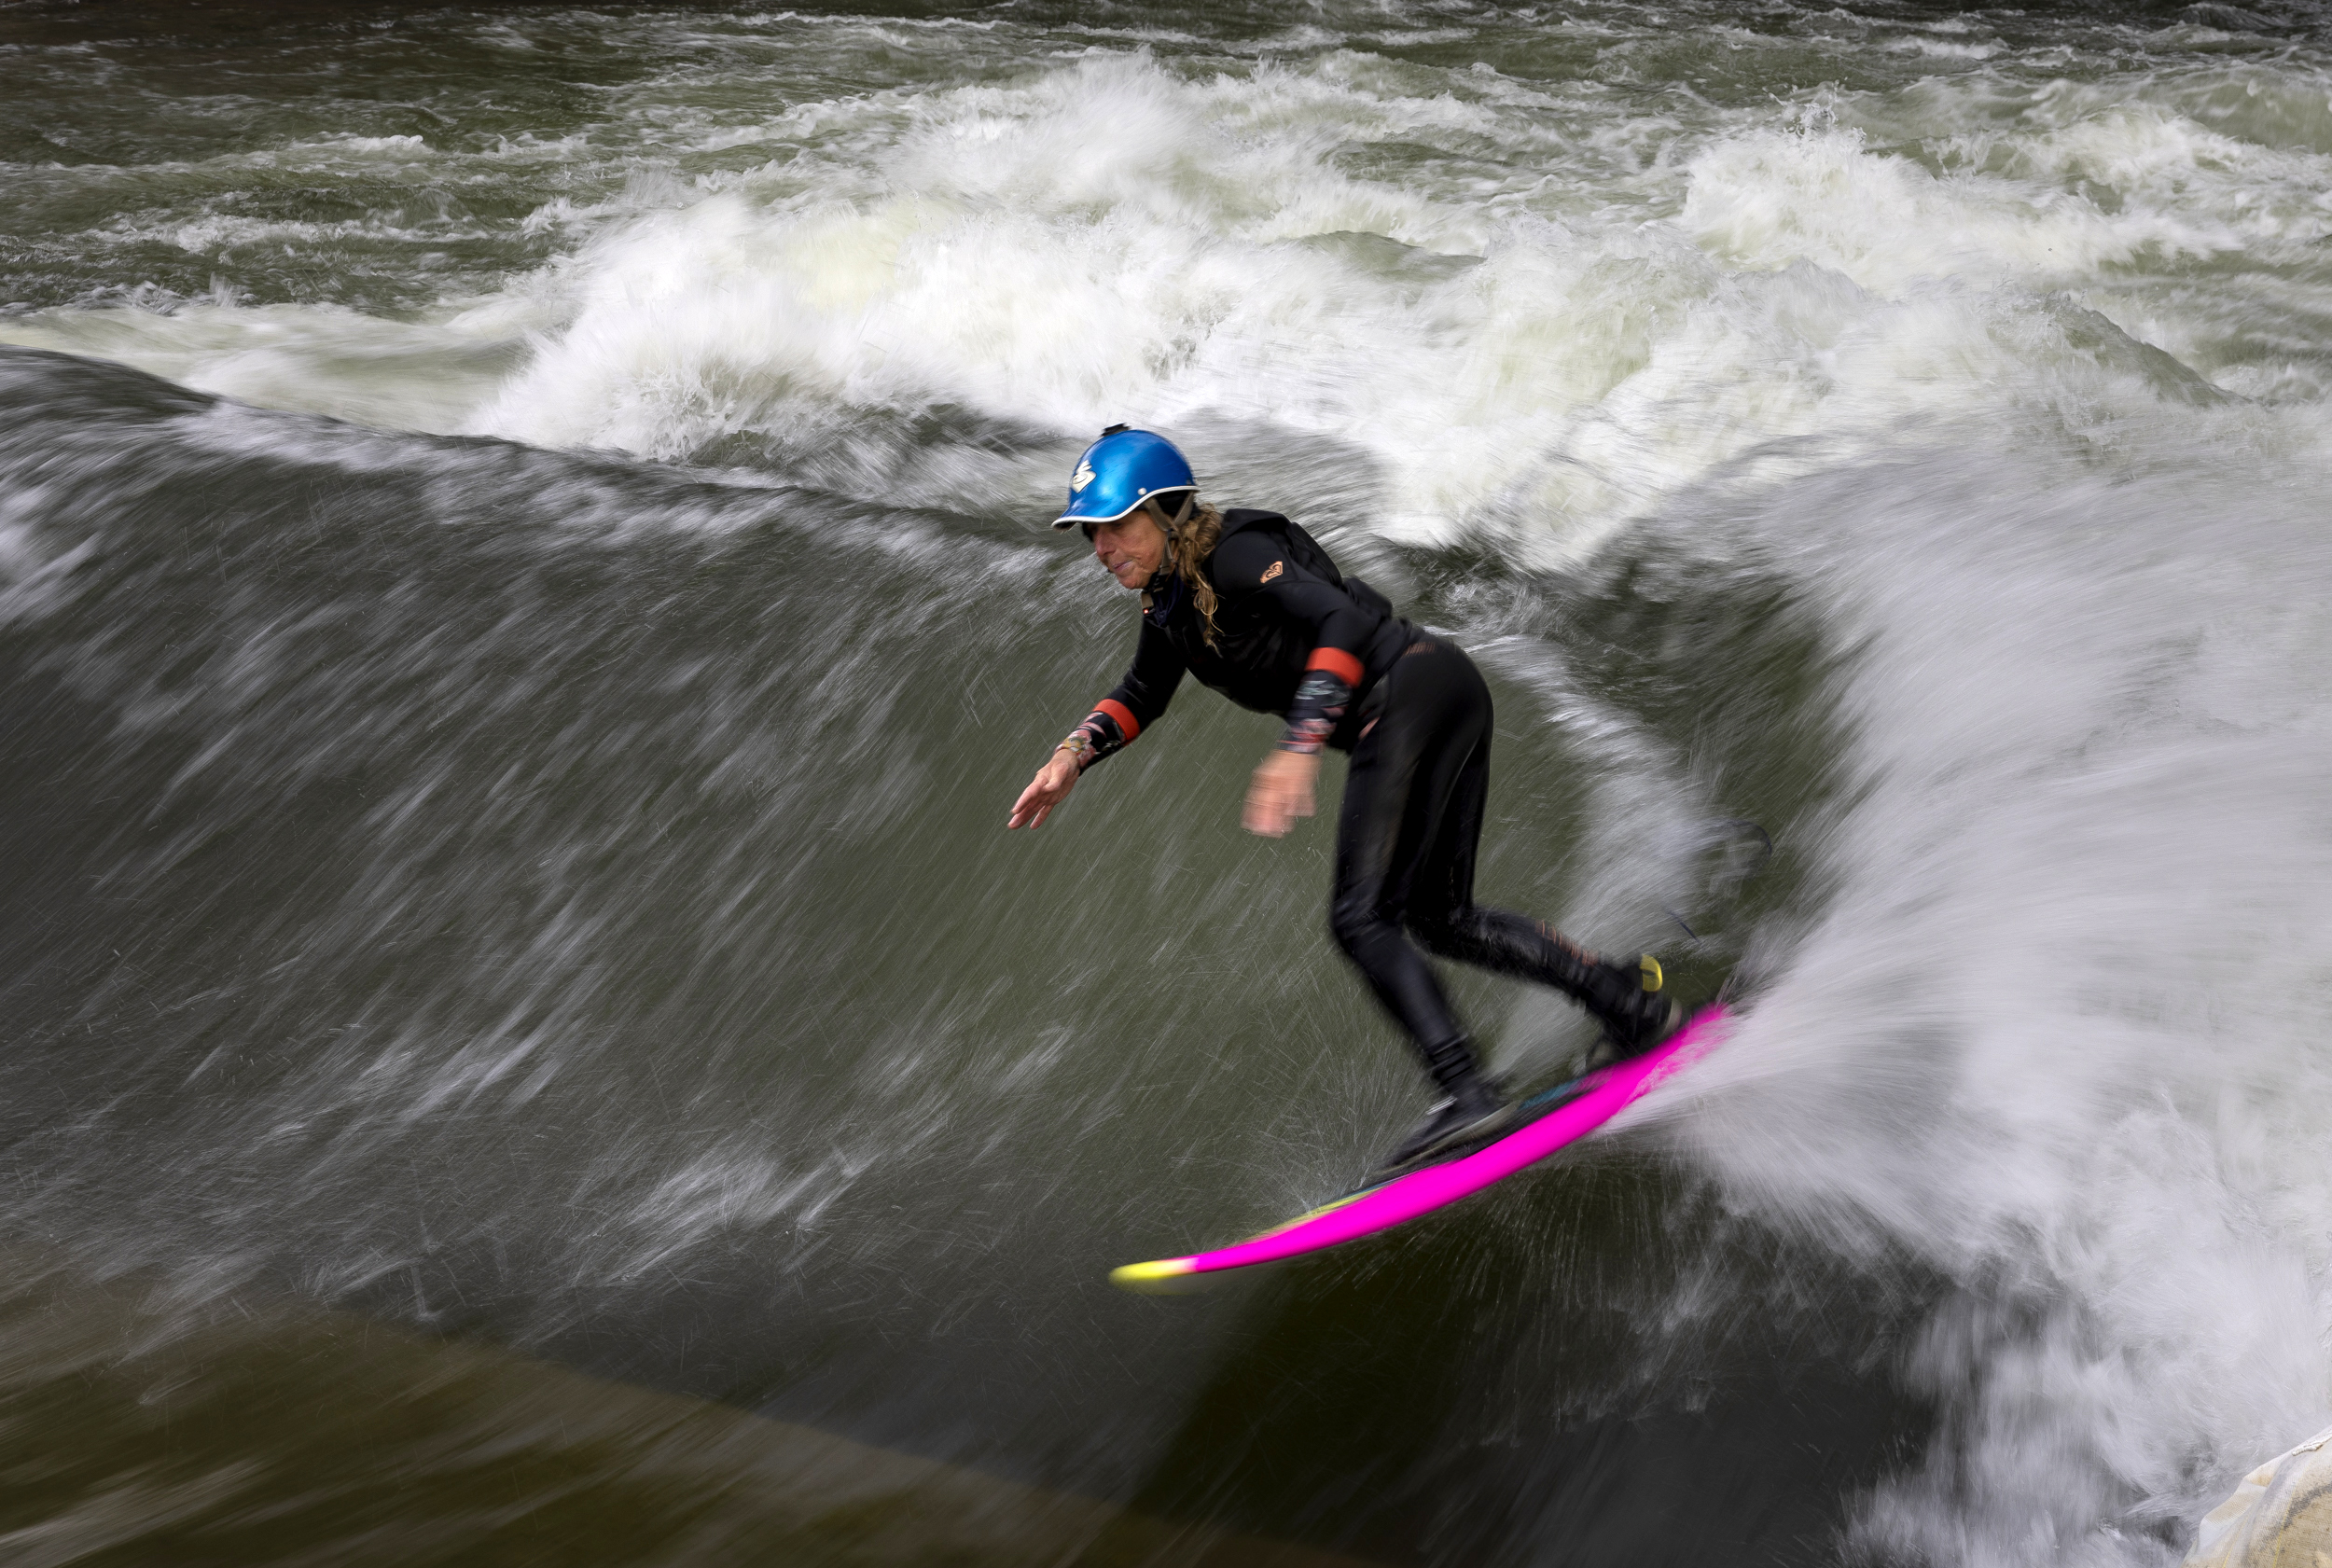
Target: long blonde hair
point(1188, 545)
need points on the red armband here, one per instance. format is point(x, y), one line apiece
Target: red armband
point(1337, 663)
point(1127, 726)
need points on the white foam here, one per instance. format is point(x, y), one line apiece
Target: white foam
point(1112, 239)
point(1113, 242)
point(2056, 1035)
point(412, 375)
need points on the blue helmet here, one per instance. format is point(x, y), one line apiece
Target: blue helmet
point(1120, 471)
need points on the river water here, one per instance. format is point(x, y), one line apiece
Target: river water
point(524, 602)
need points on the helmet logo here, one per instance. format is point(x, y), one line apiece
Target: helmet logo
point(1083, 477)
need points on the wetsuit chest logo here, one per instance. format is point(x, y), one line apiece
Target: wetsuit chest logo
point(1272, 571)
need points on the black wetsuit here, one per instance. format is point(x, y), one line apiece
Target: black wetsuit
point(1295, 637)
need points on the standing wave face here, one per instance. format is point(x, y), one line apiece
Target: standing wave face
point(525, 712)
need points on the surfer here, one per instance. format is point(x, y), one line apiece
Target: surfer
point(1248, 603)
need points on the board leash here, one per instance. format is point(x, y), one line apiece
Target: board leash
point(1765, 858)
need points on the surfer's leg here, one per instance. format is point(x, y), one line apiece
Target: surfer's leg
point(1623, 996)
point(1401, 773)
point(1384, 821)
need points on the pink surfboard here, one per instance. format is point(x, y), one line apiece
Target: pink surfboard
point(1584, 1107)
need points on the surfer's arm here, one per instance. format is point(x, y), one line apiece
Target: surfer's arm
point(1254, 563)
point(1132, 707)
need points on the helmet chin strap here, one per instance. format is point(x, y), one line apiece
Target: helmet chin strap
point(1174, 526)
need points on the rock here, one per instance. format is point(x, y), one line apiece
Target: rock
point(2280, 1517)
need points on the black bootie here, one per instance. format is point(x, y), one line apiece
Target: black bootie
point(1472, 1113)
point(1629, 1001)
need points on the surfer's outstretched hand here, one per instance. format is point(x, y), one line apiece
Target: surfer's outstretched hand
point(1048, 789)
point(1280, 792)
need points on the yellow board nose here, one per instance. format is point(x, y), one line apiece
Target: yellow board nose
point(1653, 978)
point(1149, 1276)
